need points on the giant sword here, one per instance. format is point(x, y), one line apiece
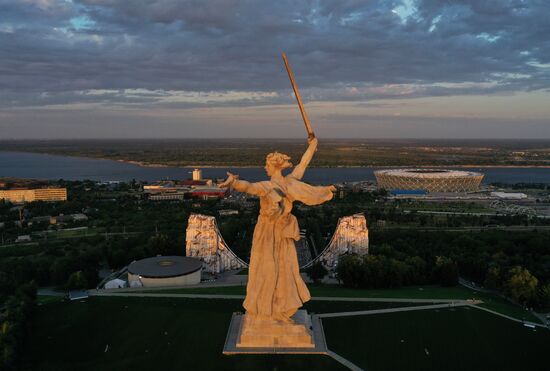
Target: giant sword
point(298, 98)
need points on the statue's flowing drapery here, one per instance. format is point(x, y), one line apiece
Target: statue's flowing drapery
point(275, 287)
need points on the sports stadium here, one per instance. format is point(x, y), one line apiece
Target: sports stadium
point(431, 180)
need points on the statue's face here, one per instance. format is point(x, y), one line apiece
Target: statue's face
point(270, 169)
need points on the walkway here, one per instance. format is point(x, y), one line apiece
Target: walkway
point(400, 309)
point(140, 293)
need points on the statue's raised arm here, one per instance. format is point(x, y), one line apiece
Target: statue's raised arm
point(300, 169)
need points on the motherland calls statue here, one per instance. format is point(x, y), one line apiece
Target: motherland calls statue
point(275, 289)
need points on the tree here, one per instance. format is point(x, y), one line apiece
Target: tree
point(493, 278)
point(161, 244)
point(61, 269)
point(77, 280)
point(316, 272)
point(543, 297)
point(349, 270)
point(417, 270)
point(15, 320)
point(446, 271)
point(521, 285)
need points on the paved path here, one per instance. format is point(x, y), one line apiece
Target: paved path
point(393, 310)
point(471, 286)
point(343, 361)
point(161, 295)
point(319, 298)
point(510, 318)
point(390, 300)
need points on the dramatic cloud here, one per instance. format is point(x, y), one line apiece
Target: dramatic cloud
point(173, 54)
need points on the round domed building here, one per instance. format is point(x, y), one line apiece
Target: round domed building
point(431, 180)
point(164, 271)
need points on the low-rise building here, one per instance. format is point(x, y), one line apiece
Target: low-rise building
point(61, 219)
point(20, 195)
point(79, 217)
point(167, 196)
point(227, 212)
point(164, 271)
point(68, 218)
point(208, 193)
point(23, 238)
point(509, 195)
point(41, 219)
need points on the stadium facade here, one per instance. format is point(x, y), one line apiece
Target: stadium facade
point(431, 180)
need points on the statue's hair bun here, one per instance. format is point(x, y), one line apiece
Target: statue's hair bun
point(279, 160)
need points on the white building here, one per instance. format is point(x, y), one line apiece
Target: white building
point(117, 283)
point(509, 196)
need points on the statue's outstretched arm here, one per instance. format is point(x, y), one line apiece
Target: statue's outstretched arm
point(234, 182)
point(300, 169)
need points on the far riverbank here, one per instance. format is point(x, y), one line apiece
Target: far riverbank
point(147, 164)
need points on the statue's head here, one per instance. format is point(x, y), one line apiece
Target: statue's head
point(276, 161)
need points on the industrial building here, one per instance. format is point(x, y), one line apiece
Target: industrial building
point(208, 193)
point(21, 195)
point(430, 180)
point(196, 188)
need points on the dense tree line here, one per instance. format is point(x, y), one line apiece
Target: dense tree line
point(516, 264)
point(15, 318)
point(474, 252)
point(52, 265)
point(381, 271)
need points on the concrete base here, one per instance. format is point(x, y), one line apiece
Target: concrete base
point(252, 336)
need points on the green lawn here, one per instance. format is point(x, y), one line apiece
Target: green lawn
point(178, 333)
point(445, 339)
point(47, 299)
point(154, 333)
point(411, 292)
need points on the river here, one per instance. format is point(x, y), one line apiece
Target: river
point(43, 166)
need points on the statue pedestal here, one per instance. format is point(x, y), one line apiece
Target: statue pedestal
point(263, 336)
point(262, 333)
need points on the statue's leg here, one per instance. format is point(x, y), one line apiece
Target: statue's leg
point(262, 273)
point(290, 286)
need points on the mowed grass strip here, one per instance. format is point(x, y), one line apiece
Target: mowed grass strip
point(133, 333)
point(460, 338)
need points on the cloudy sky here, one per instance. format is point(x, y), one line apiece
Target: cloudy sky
point(210, 69)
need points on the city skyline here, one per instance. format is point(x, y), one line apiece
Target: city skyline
point(160, 69)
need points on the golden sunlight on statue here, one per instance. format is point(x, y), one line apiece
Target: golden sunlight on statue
point(275, 288)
